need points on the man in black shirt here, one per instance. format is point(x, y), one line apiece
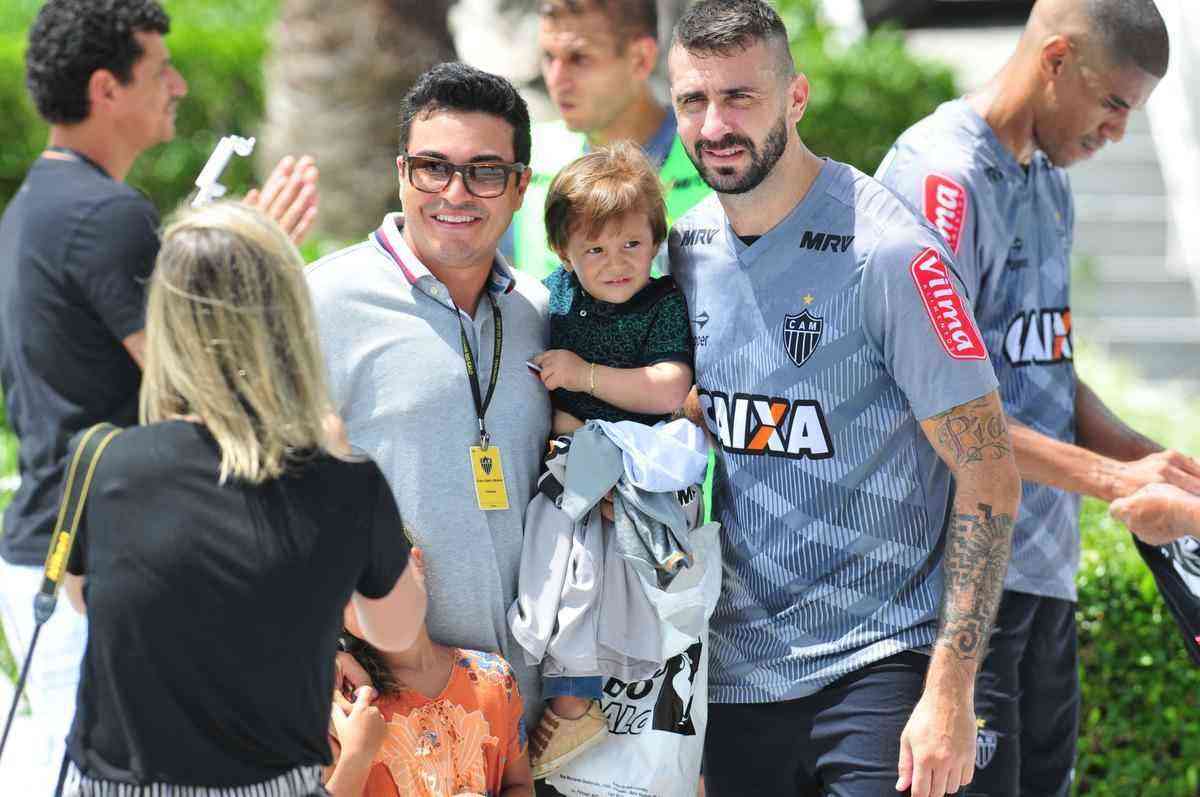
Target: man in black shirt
point(76, 246)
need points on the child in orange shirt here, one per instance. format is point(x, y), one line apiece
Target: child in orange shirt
point(445, 721)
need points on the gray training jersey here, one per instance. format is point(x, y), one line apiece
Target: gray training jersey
point(818, 349)
point(1010, 230)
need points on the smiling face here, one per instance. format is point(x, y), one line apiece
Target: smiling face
point(453, 229)
point(144, 107)
point(613, 264)
point(591, 78)
point(1087, 104)
point(736, 113)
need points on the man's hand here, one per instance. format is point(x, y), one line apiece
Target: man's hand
point(1163, 467)
point(289, 196)
point(1159, 513)
point(565, 369)
point(937, 748)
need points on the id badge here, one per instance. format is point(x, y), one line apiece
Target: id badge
point(488, 472)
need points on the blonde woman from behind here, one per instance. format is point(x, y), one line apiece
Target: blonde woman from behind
point(222, 539)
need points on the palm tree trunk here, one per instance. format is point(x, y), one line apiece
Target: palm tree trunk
point(335, 77)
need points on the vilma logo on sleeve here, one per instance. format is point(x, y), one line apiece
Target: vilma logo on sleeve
point(953, 324)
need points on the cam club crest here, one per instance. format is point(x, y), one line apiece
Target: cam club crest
point(985, 747)
point(801, 334)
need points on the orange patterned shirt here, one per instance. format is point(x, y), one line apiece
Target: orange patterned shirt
point(460, 741)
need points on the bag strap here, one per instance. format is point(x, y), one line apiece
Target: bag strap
point(70, 512)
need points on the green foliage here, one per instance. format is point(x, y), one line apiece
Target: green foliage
point(1140, 725)
point(217, 46)
point(863, 95)
point(1140, 722)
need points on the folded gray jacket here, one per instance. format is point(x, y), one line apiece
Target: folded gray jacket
point(595, 598)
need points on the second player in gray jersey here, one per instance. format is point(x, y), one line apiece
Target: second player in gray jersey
point(841, 372)
point(987, 170)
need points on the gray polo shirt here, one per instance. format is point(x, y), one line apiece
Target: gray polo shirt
point(390, 335)
point(819, 348)
point(1011, 231)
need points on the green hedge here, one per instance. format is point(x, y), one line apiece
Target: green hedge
point(1140, 731)
point(217, 46)
point(862, 96)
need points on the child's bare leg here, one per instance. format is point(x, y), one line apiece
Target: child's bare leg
point(570, 707)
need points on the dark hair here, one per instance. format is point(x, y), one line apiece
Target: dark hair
point(371, 660)
point(71, 39)
point(728, 27)
point(454, 86)
point(599, 187)
point(1131, 31)
point(630, 19)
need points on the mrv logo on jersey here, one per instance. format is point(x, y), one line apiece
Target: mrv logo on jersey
point(1039, 337)
point(697, 237)
point(776, 427)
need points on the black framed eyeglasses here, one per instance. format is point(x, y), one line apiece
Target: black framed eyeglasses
point(484, 180)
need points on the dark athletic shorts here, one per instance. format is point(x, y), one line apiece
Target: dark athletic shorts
point(843, 741)
point(1027, 701)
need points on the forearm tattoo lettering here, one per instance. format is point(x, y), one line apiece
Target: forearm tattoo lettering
point(976, 559)
point(972, 433)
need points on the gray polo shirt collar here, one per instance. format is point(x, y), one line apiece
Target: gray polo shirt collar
point(390, 241)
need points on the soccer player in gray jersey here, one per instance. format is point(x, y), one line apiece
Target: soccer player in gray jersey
point(841, 373)
point(988, 172)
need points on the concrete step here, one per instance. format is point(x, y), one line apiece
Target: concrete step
point(1156, 330)
point(1120, 207)
point(1128, 268)
point(1164, 349)
point(1124, 238)
point(1134, 299)
point(1159, 362)
point(1126, 178)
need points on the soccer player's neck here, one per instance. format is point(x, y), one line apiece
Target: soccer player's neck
point(638, 122)
point(1008, 105)
point(758, 211)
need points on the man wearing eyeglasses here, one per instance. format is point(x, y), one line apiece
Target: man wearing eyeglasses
point(426, 331)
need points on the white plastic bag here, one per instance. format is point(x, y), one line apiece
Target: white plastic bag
point(656, 726)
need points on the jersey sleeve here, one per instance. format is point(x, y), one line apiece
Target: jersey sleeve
point(915, 315)
point(669, 338)
point(941, 195)
point(111, 257)
point(389, 548)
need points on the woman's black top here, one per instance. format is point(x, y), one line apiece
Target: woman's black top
point(214, 610)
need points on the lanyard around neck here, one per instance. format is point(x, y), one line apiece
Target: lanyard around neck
point(483, 402)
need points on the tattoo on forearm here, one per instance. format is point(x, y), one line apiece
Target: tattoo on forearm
point(973, 432)
point(975, 561)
